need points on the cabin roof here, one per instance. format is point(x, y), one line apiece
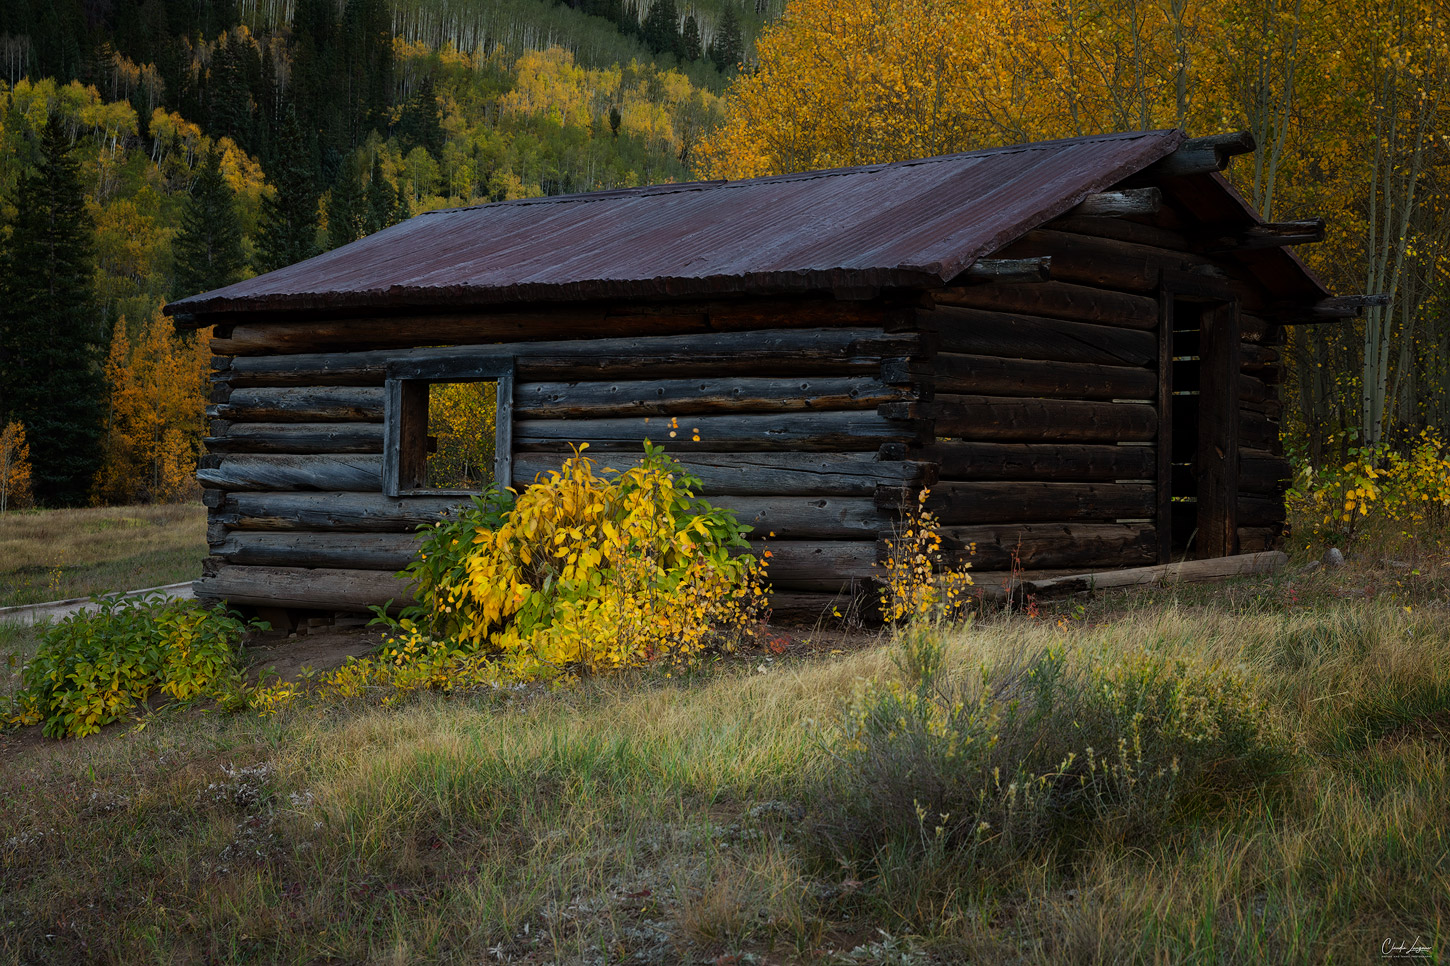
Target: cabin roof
point(915, 224)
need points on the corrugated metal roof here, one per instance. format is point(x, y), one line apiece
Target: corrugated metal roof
point(912, 223)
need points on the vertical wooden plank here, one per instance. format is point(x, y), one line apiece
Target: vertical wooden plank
point(392, 434)
point(412, 453)
point(1165, 425)
point(1218, 432)
point(503, 452)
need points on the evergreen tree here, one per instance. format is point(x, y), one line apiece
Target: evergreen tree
point(691, 39)
point(208, 248)
point(660, 30)
point(727, 47)
point(289, 217)
point(382, 201)
point(421, 120)
point(228, 96)
point(346, 208)
point(50, 332)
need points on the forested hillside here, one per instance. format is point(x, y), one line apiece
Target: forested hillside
point(156, 149)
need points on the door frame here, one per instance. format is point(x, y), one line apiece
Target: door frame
point(1217, 450)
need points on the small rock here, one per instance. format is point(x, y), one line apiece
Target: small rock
point(1333, 557)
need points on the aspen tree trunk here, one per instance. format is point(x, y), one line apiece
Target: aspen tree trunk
point(1405, 110)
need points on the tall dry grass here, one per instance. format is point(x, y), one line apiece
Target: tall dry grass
point(58, 554)
point(658, 820)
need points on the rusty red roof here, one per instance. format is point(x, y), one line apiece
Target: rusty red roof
point(911, 223)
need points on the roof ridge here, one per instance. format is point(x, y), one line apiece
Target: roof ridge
point(669, 188)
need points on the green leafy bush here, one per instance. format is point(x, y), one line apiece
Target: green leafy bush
point(1046, 752)
point(96, 667)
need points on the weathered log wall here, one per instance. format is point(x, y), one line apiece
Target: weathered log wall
point(784, 424)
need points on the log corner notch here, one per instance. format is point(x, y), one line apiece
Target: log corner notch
point(1338, 309)
point(1204, 155)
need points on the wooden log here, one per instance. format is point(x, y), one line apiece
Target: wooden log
point(1152, 235)
point(295, 472)
point(1189, 571)
point(1008, 271)
point(1254, 355)
point(1004, 419)
point(1041, 461)
point(553, 400)
point(310, 334)
point(796, 562)
point(1119, 204)
point(321, 589)
point(302, 405)
point(844, 431)
point(309, 438)
point(1327, 310)
point(1257, 431)
point(799, 609)
point(807, 518)
point(1047, 546)
point(1202, 155)
point(348, 551)
point(787, 474)
point(1253, 390)
point(984, 503)
point(1102, 262)
point(1059, 300)
point(783, 352)
point(1254, 510)
point(957, 372)
point(1260, 471)
point(1259, 539)
point(977, 332)
point(1269, 235)
point(356, 512)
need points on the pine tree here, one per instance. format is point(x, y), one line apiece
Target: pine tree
point(420, 122)
point(208, 248)
point(228, 97)
point(346, 208)
point(50, 334)
point(691, 39)
point(382, 200)
point(660, 30)
point(289, 217)
point(726, 48)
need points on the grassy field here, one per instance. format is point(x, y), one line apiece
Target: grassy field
point(57, 554)
point(718, 818)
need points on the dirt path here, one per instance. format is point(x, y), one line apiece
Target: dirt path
point(56, 609)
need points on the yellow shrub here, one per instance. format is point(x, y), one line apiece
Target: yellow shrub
point(584, 571)
point(917, 583)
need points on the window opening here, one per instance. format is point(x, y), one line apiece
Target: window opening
point(448, 427)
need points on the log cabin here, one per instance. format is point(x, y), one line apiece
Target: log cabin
point(1075, 344)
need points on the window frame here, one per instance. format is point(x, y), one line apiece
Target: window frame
point(406, 398)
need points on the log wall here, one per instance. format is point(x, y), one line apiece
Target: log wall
point(795, 415)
